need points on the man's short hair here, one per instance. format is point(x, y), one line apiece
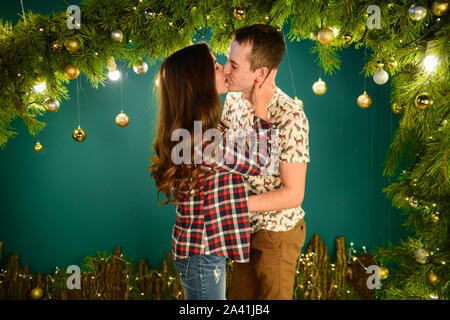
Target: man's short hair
point(267, 42)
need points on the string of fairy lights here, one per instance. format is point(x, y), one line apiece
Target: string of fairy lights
point(307, 260)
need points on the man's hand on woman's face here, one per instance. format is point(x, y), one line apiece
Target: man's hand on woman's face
point(263, 93)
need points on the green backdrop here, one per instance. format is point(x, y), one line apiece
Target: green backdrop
point(72, 199)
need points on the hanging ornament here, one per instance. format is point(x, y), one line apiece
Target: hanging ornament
point(313, 35)
point(79, 134)
point(364, 101)
point(435, 217)
point(397, 109)
point(421, 255)
point(117, 35)
point(325, 36)
point(51, 105)
point(140, 67)
point(239, 13)
point(347, 37)
point(384, 272)
point(36, 293)
point(392, 63)
point(433, 278)
point(417, 13)
point(56, 46)
point(38, 146)
point(380, 77)
point(72, 45)
point(319, 87)
point(439, 8)
point(122, 119)
point(423, 100)
point(71, 71)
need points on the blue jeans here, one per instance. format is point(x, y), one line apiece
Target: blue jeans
point(203, 277)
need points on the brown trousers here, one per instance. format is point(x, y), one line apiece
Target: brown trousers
point(270, 274)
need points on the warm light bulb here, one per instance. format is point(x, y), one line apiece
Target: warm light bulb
point(40, 87)
point(430, 63)
point(114, 75)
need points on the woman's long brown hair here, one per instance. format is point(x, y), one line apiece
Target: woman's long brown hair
point(187, 93)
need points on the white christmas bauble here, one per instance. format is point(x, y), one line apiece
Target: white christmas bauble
point(140, 67)
point(117, 35)
point(52, 105)
point(417, 13)
point(319, 87)
point(380, 77)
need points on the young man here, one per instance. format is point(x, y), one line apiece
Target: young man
point(278, 228)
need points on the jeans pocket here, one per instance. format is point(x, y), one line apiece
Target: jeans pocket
point(182, 265)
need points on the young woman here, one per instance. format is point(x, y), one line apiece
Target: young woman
point(211, 202)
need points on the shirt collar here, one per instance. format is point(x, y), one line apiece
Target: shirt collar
point(271, 103)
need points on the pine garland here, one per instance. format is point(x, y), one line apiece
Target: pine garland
point(153, 29)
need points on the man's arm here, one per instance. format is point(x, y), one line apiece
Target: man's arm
point(291, 194)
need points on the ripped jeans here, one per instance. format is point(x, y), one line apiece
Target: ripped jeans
point(203, 277)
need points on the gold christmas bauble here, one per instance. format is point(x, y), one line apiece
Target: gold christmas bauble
point(423, 100)
point(364, 101)
point(71, 71)
point(384, 272)
point(319, 87)
point(38, 146)
point(325, 35)
point(433, 278)
point(36, 293)
point(239, 13)
point(392, 63)
point(397, 109)
point(439, 8)
point(122, 119)
point(434, 217)
point(51, 105)
point(140, 67)
point(117, 35)
point(79, 134)
point(72, 45)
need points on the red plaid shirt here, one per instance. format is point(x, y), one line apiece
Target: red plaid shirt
point(215, 220)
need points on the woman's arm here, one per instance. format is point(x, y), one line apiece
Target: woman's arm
point(238, 160)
